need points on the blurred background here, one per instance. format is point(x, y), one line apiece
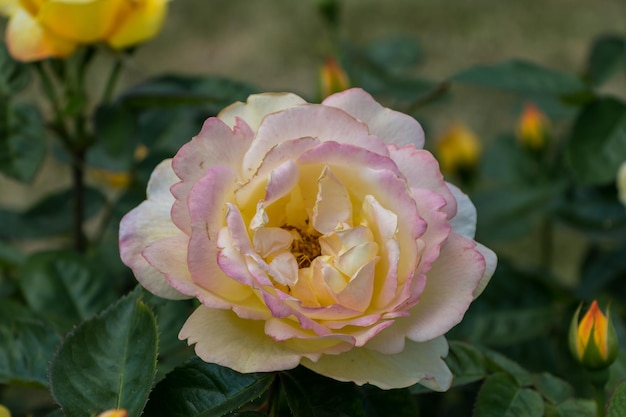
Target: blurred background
point(280, 45)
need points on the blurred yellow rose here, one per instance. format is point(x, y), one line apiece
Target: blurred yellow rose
point(40, 29)
point(458, 150)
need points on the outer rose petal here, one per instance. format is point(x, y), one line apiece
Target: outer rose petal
point(147, 223)
point(242, 344)
point(257, 107)
point(464, 222)
point(461, 271)
point(418, 362)
point(80, 21)
point(391, 126)
point(142, 22)
point(27, 40)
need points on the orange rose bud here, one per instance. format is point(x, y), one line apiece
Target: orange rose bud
point(333, 78)
point(533, 128)
point(593, 340)
point(458, 151)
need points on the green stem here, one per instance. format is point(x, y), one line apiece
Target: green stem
point(598, 379)
point(51, 94)
point(78, 178)
point(111, 81)
point(600, 397)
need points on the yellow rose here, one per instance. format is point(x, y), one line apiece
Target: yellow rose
point(40, 29)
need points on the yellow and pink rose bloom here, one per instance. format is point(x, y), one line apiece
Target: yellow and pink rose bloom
point(312, 234)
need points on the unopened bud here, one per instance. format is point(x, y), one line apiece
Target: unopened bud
point(333, 78)
point(592, 340)
point(533, 128)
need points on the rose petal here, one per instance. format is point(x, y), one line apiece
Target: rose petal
point(28, 40)
point(421, 170)
point(418, 362)
point(333, 204)
point(257, 107)
point(215, 145)
point(227, 340)
point(464, 222)
point(80, 21)
point(310, 121)
point(458, 274)
point(208, 208)
point(147, 223)
point(141, 22)
point(391, 126)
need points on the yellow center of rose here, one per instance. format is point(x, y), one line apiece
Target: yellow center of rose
point(305, 246)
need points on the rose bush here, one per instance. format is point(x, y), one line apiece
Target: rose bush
point(313, 234)
point(40, 29)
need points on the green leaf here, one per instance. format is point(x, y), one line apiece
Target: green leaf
point(500, 396)
point(200, 389)
point(597, 145)
point(22, 140)
point(522, 77)
point(115, 128)
point(379, 79)
point(64, 287)
point(14, 75)
point(171, 315)
point(572, 407)
point(296, 396)
point(511, 212)
point(49, 216)
point(617, 402)
point(601, 268)
point(506, 162)
point(326, 396)
point(594, 211)
point(553, 389)
point(178, 90)
point(10, 255)
point(378, 402)
point(607, 54)
point(107, 362)
point(466, 363)
point(499, 363)
point(27, 346)
point(396, 53)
